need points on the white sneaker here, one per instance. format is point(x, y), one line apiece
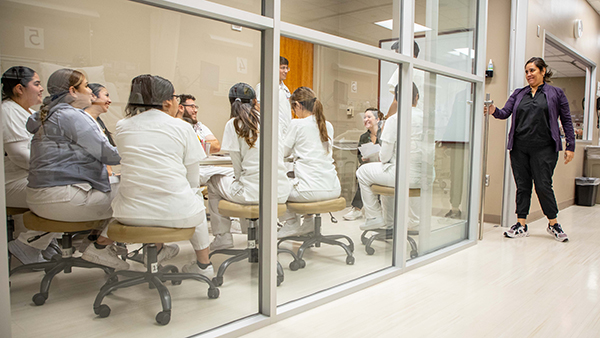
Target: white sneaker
point(372, 223)
point(295, 229)
point(194, 268)
point(236, 227)
point(167, 252)
point(107, 257)
point(222, 241)
point(354, 214)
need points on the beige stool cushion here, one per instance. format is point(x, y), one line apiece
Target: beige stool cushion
point(389, 191)
point(15, 211)
point(230, 209)
point(136, 234)
point(35, 222)
point(317, 207)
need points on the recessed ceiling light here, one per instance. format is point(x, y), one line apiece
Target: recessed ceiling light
point(389, 25)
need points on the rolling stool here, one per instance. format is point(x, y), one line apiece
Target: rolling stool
point(250, 212)
point(383, 234)
point(58, 263)
point(154, 275)
point(316, 238)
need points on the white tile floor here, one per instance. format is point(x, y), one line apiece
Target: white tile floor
point(513, 288)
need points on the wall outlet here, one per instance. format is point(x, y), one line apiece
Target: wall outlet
point(350, 111)
point(487, 180)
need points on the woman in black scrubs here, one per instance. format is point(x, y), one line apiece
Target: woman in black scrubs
point(534, 142)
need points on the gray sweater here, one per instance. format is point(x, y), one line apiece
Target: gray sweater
point(68, 148)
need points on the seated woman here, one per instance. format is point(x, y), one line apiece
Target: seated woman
point(242, 140)
point(309, 139)
point(159, 169)
point(384, 172)
point(100, 103)
point(68, 180)
point(21, 89)
point(372, 135)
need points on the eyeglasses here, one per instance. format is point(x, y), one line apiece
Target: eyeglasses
point(190, 105)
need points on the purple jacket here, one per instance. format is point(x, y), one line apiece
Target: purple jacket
point(558, 106)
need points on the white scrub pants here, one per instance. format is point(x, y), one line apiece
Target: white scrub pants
point(69, 203)
point(373, 173)
point(219, 188)
point(199, 239)
point(208, 171)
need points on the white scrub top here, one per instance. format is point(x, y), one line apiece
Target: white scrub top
point(313, 160)
point(14, 118)
point(155, 149)
point(202, 130)
point(247, 173)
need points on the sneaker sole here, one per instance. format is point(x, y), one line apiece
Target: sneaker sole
point(351, 218)
point(526, 234)
point(96, 260)
point(566, 239)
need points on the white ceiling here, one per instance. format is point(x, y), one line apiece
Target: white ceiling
point(561, 64)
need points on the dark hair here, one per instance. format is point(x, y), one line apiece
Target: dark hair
point(376, 112)
point(185, 97)
point(541, 64)
point(246, 121)
point(148, 92)
point(416, 49)
point(283, 61)
point(59, 84)
point(415, 95)
point(307, 98)
point(96, 88)
point(13, 76)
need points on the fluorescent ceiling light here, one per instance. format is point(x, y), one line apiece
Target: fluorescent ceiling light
point(463, 51)
point(389, 25)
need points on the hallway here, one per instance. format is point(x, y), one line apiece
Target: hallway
point(526, 287)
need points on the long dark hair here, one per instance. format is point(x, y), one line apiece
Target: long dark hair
point(307, 98)
point(13, 76)
point(148, 92)
point(541, 64)
point(96, 88)
point(246, 120)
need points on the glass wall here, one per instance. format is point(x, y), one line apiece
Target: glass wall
point(340, 146)
point(111, 44)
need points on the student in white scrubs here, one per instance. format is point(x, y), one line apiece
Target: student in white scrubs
point(21, 89)
point(310, 140)
point(242, 140)
point(159, 169)
point(384, 172)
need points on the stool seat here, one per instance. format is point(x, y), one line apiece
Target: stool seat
point(35, 222)
point(320, 207)
point(231, 209)
point(15, 211)
point(138, 234)
point(389, 191)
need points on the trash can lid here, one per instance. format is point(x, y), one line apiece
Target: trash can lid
point(587, 181)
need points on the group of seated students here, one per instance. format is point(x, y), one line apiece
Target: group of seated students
point(58, 162)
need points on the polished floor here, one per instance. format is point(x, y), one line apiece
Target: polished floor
point(526, 287)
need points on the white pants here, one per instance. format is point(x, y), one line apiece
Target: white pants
point(373, 173)
point(208, 171)
point(199, 239)
point(15, 193)
point(71, 203)
point(219, 188)
point(308, 196)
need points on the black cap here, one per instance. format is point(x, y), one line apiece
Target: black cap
point(242, 91)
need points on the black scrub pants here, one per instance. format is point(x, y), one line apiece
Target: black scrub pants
point(532, 165)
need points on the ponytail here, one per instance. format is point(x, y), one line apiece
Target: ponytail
point(307, 98)
point(246, 121)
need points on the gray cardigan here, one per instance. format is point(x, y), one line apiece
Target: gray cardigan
point(68, 148)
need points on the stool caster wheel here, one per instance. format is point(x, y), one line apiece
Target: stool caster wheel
point(294, 265)
point(103, 311)
point(39, 299)
point(217, 281)
point(163, 317)
point(175, 282)
point(350, 260)
point(414, 254)
point(302, 264)
point(363, 240)
point(279, 280)
point(369, 250)
point(213, 293)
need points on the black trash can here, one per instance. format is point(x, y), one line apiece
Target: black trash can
point(586, 190)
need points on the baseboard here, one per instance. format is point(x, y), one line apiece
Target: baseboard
point(534, 216)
